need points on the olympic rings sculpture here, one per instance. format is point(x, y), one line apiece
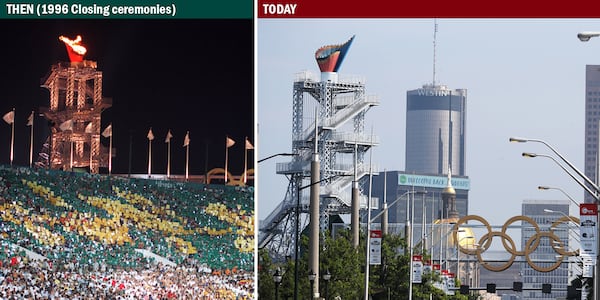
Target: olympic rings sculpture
point(509, 245)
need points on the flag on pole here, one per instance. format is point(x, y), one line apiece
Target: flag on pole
point(249, 145)
point(150, 134)
point(169, 136)
point(186, 140)
point(107, 131)
point(168, 141)
point(66, 125)
point(150, 138)
point(30, 123)
point(186, 144)
point(9, 117)
point(30, 119)
point(229, 142)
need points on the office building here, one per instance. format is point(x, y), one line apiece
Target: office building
point(592, 115)
point(544, 213)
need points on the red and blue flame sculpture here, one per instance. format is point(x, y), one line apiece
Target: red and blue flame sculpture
point(330, 57)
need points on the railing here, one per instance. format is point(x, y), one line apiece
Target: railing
point(316, 77)
point(276, 215)
point(351, 137)
point(342, 115)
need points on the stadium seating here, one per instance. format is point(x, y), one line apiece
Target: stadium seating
point(96, 219)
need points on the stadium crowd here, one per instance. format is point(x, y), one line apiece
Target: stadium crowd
point(85, 233)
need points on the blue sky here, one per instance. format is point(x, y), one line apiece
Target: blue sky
point(524, 77)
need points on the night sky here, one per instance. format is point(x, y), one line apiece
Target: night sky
point(182, 75)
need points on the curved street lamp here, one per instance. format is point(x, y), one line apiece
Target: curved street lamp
point(550, 211)
point(525, 140)
point(545, 188)
point(587, 189)
point(278, 154)
point(587, 35)
point(277, 279)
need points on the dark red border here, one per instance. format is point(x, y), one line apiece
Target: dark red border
point(436, 9)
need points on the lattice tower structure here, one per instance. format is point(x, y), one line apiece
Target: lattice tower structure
point(76, 95)
point(341, 108)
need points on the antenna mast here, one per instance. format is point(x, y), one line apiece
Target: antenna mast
point(434, 40)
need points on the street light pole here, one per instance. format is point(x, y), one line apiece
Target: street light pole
point(549, 211)
point(326, 277)
point(296, 245)
point(587, 189)
point(412, 219)
point(458, 254)
point(587, 35)
point(297, 220)
point(544, 188)
point(311, 277)
point(278, 154)
point(368, 239)
point(596, 195)
point(369, 221)
point(277, 279)
point(584, 37)
point(587, 180)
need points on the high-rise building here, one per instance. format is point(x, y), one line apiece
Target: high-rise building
point(435, 130)
point(435, 144)
point(592, 115)
point(398, 183)
point(545, 213)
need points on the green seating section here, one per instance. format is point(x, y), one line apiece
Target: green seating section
point(88, 219)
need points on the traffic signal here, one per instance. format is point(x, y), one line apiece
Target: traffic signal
point(464, 289)
point(491, 288)
point(517, 286)
point(573, 293)
point(546, 288)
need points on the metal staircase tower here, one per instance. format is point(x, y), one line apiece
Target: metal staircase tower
point(339, 107)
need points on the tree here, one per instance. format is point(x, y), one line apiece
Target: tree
point(266, 269)
point(344, 263)
point(347, 267)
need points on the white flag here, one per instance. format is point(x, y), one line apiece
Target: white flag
point(249, 146)
point(66, 125)
point(9, 117)
point(107, 131)
point(150, 134)
point(229, 142)
point(30, 119)
point(186, 140)
point(89, 128)
point(169, 136)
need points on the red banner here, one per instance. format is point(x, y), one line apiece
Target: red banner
point(588, 209)
point(376, 234)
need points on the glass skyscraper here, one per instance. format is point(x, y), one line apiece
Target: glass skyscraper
point(435, 130)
